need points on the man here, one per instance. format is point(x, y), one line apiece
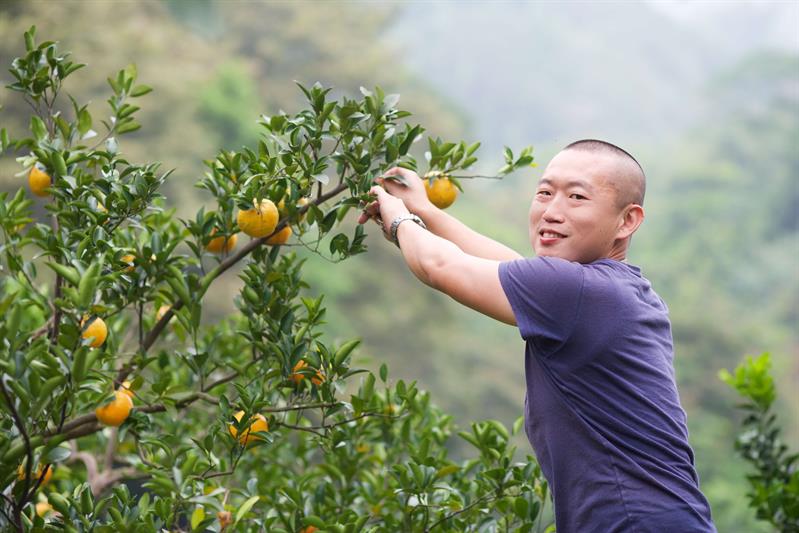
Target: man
point(601, 409)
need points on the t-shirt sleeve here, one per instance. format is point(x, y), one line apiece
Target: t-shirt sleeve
point(544, 293)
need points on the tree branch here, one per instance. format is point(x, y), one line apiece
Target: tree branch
point(17, 507)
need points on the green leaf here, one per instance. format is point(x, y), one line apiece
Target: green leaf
point(58, 454)
point(84, 121)
point(30, 45)
point(59, 164)
point(130, 72)
point(313, 520)
point(197, 517)
point(59, 503)
point(518, 424)
point(68, 273)
point(79, 364)
point(344, 351)
point(88, 284)
point(38, 128)
point(245, 507)
point(12, 322)
point(127, 127)
point(447, 470)
point(140, 90)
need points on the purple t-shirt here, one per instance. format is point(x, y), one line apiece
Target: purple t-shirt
point(601, 409)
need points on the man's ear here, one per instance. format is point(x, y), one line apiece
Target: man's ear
point(632, 217)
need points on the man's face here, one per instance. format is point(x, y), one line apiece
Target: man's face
point(574, 214)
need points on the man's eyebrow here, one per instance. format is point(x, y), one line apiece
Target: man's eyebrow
point(571, 183)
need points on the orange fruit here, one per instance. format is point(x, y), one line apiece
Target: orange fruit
point(128, 259)
point(297, 377)
point(225, 519)
point(442, 192)
point(36, 473)
point(281, 237)
point(259, 424)
point(259, 221)
point(43, 508)
point(281, 207)
point(308, 529)
point(97, 331)
point(219, 244)
point(301, 203)
point(39, 181)
point(116, 411)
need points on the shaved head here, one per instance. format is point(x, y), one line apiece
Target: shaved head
point(628, 181)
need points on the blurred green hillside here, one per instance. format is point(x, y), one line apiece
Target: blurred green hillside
point(714, 119)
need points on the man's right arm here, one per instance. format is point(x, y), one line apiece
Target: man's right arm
point(439, 222)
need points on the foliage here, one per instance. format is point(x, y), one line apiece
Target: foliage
point(774, 487)
point(376, 460)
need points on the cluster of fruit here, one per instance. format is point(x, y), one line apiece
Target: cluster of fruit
point(257, 222)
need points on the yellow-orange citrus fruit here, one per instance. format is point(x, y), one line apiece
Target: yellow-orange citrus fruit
point(281, 237)
point(442, 192)
point(308, 529)
point(259, 424)
point(101, 208)
point(39, 181)
point(297, 377)
point(162, 311)
point(219, 244)
point(259, 221)
point(225, 519)
point(281, 207)
point(116, 411)
point(362, 448)
point(43, 508)
point(96, 330)
point(301, 203)
point(37, 473)
point(125, 389)
point(128, 259)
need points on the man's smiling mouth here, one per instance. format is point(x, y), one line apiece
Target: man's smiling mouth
point(548, 234)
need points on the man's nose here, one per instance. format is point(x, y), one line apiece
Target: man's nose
point(553, 213)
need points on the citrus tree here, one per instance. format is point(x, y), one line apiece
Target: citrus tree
point(123, 410)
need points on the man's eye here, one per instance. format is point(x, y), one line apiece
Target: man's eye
point(577, 196)
point(543, 193)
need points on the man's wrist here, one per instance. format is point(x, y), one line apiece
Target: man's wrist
point(398, 220)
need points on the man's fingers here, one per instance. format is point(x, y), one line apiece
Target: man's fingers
point(371, 210)
point(380, 192)
point(397, 171)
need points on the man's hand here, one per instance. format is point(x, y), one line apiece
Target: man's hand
point(408, 186)
point(403, 184)
point(384, 210)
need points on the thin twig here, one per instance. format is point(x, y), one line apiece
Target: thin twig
point(477, 176)
point(459, 511)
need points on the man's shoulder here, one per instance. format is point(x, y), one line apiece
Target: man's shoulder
point(538, 271)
